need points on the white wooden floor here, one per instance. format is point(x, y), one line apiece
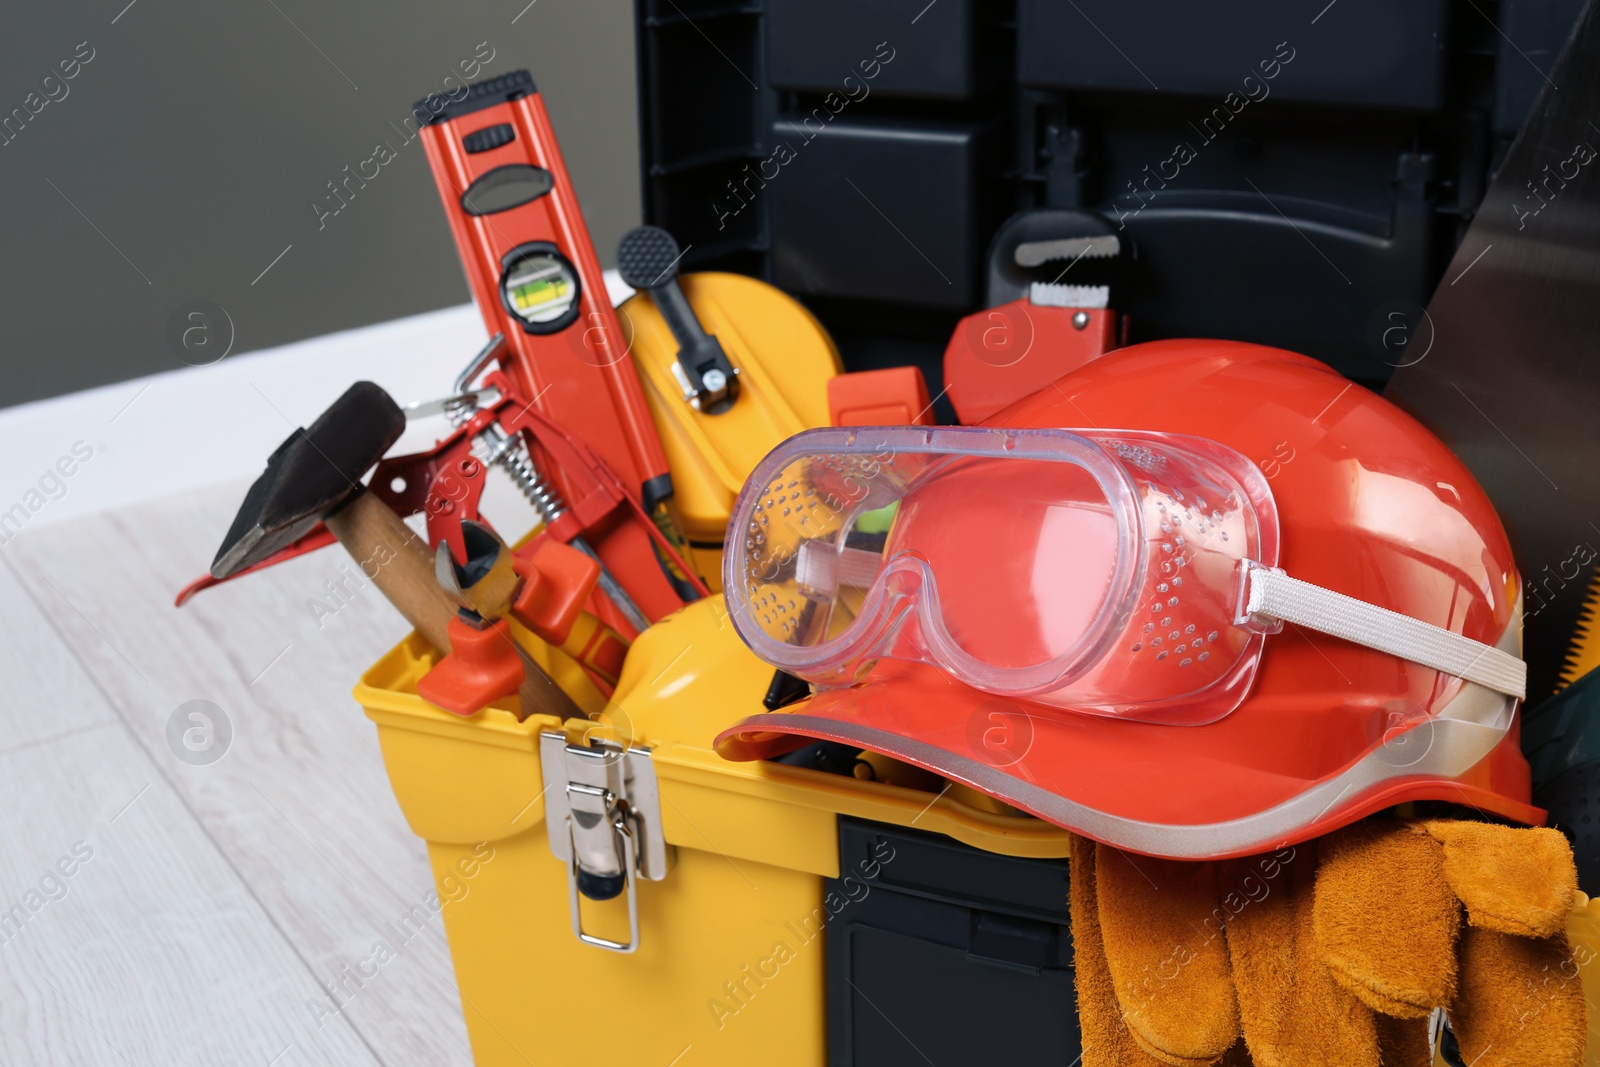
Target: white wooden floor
point(216, 901)
point(208, 907)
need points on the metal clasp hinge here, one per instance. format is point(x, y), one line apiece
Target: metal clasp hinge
point(603, 818)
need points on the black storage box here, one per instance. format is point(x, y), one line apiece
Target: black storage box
point(949, 954)
point(882, 211)
point(1284, 173)
point(1338, 152)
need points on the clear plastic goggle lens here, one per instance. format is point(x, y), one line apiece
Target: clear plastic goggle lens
point(1095, 571)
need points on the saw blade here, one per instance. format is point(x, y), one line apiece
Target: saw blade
point(1583, 655)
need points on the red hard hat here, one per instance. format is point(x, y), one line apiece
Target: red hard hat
point(1370, 505)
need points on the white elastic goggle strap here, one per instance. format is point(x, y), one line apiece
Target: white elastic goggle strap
point(821, 569)
point(1276, 596)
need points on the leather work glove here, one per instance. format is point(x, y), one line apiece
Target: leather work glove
point(1333, 952)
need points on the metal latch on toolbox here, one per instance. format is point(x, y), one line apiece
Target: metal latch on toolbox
point(603, 815)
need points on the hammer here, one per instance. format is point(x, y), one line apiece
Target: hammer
point(315, 476)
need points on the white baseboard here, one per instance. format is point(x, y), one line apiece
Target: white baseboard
point(202, 426)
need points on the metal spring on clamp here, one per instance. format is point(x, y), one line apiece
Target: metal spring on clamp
point(540, 493)
point(507, 451)
point(497, 448)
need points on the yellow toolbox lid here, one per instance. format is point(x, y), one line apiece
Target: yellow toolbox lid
point(470, 779)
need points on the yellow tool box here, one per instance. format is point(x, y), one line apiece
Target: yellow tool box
point(727, 955)
point(727, 949)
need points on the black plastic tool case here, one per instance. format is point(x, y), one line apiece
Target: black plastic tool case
point(962, 954)
point(862, 153)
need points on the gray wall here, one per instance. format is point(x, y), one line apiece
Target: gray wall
point(183, 156)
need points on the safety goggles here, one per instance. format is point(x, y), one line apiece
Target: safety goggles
point(1122, 573)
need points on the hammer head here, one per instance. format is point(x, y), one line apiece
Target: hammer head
point(312, 474)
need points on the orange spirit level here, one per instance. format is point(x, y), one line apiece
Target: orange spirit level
point(535, 277)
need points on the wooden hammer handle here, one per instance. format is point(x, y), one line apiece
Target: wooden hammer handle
point(400, 564)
